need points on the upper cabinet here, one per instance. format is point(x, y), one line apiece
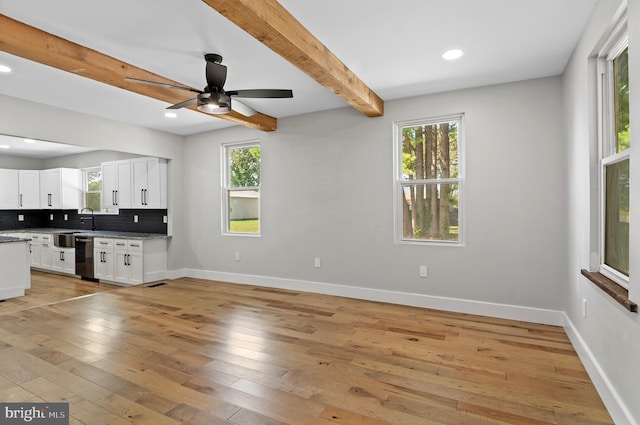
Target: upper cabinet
point(9, 195)
point(60, 189)
point(116, 184)
point(149, 178)
point(29, 188)
point(20, 189)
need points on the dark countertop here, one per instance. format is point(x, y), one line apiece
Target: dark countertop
point(95, 233)
point(5, 239)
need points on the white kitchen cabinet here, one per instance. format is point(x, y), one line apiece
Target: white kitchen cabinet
point(60, 189)
point(41, 245)
point(103, 263)
point(149, 178)
point(63, 260)
point(130, 261)
point(116, 184)
point(9, 194)
point(29, 188)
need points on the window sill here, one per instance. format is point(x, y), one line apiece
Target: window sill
point(615, 291)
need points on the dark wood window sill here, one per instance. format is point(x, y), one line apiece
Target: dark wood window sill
point(616, 291)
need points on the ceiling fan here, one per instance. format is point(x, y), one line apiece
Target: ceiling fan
point(213, 99)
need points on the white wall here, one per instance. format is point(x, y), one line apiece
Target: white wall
point(38, 121)
point(327, 186)
point(608, 339)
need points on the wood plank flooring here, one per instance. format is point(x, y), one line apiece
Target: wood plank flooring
point(200, 352)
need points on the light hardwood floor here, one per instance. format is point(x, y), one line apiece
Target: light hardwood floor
point(201, 352)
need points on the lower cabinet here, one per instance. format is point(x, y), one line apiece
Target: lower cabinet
point(40, 246)
point(63, 260)
point(130, 261)
point(103, 266)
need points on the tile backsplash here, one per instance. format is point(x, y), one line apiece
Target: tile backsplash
point(148, 221)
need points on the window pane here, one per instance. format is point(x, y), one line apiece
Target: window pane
point(92, 200)
point(430, 151)
point(244, 208)
point(244, 166)
point(621, 100)
point(94, 180)
point(616, 250)
point(430, 212)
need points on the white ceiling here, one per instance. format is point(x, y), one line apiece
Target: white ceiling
point(394, 47)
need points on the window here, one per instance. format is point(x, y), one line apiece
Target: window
point(241, 188)
point(615, 140)
point(92, 190)
point(428, 177)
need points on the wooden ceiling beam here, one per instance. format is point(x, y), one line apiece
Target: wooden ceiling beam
point(31, 43)
point(274, 26)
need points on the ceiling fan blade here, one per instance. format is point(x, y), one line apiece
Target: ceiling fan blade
point(243, 109)
point(261, 93)
point(216, 76)
point(155, 83)
point(183, 104)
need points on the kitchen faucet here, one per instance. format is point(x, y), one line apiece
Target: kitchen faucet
point(93, 224)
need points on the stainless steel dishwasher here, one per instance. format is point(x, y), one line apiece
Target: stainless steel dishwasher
point(84, 257)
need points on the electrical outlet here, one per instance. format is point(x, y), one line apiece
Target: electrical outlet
point(237, 256)
point(135, 218)
point(584, 307)
point(165, 219)
point(423, 271)
point(20, 217)
point(50, 217)
point(316, 262)
point(66, 217)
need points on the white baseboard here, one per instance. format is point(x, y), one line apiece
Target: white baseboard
point(616, 407)
point(503, 311)
point(6, 293)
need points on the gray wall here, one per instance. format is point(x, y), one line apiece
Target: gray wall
point(327, 185)
point(610, 335)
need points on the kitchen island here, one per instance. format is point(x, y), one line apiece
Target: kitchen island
point(15, 274)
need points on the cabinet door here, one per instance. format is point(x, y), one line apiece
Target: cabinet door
point(36, 254)
point(139, 178)
point(69, 261)
point(50, 189)
point(121, 267)
point(136, 269)
point(46, 256)
point(103, 264)
point(109, 184)
point(9, 193)
point(123, 194)
point(29, 183)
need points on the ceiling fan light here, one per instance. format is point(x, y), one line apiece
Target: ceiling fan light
point(211, 103)
point(211, 108)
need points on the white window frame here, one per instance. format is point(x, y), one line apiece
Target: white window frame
point(85, 185)
point(226, 187)
point(398, 192)
point(617, 42)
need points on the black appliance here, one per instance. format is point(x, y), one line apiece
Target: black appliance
point(84, 257)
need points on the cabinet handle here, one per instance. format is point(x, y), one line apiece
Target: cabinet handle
point(49, 199)
point(113, 197)
point(61, 255)
point(21, 199)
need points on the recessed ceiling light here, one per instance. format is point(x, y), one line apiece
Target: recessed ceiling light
point(4, 68)
point(452, 54)
point(5, 146)
point(29, 141)
point(170, 115)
